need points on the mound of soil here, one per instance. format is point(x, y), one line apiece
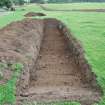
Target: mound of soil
point(30, 14)
point(20, 42)
point(55, 70)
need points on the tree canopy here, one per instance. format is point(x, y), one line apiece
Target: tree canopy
point(64, 1)
point(6, 3)
point(18, 2)
point(9, 3)
point(37, 1)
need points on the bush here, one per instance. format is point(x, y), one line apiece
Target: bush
point(18, 2)
point(6, 3)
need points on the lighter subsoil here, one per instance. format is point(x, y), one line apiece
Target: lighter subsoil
point(56, 77)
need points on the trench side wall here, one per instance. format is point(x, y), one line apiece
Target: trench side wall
point(77, 53)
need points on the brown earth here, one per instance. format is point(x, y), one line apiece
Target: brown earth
point(56, 76)
point(5, 75)
point(54, 70)
point(20, 43)
point(30, 14)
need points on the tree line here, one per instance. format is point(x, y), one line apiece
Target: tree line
point(10, 3)
point(64, 1)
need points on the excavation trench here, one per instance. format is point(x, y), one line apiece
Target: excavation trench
point(57, 74)
point(55, 68)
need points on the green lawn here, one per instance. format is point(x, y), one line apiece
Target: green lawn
point(69, 6)
point(86, 27)
point(17, 15)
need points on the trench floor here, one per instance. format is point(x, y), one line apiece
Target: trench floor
point(57, 77)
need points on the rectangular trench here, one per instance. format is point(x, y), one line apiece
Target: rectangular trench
point(55, 68)
point(56, 76)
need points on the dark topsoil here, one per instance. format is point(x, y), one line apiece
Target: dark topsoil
point(51, 72)
point(31, 14)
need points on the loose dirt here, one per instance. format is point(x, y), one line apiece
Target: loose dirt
point(31, 14)
point(50, 72)
point(20, 43)
point(55, 76)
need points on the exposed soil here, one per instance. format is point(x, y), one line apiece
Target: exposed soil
point(55, 76)
point(5, 75)
point(51, 71)
point(31, 14)
point(20, 43)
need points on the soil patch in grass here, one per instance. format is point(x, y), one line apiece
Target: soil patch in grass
point(31, 14)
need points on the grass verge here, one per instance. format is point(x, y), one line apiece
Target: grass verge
point(7, 91)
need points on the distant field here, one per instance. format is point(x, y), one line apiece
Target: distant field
point(18, 14)
point(70, 6)
point(89, 28)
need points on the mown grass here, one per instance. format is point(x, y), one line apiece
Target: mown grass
point(86, 27)
point(7, 91)
point(69, 6)
point(17, 15)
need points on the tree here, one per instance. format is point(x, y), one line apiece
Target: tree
point(37, 1)
point(18, 2)
point(66, 1)
point(6, 3)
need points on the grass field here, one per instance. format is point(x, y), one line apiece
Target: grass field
point(69, 6)
point(86, 27)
